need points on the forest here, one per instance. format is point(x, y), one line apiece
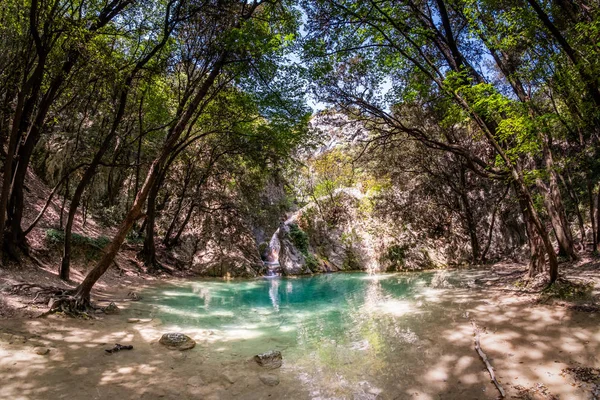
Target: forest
point(245, 149)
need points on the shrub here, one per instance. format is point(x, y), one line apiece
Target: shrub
point(299, 239)
point(55, 236)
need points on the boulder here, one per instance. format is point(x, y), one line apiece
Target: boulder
point(269, 379)
point(177, 341)
point(271, 359)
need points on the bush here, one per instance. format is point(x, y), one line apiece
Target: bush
point(396, 255)
point(55, 236)
point(312, 263)
point(299, 239)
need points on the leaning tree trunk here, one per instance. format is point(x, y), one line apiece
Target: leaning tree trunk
point(82, 292)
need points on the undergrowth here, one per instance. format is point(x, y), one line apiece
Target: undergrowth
point(91, 246)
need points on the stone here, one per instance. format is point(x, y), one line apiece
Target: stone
point(177, 341)
point(271, 359)
point(227, 377)
point(133, 320)
point(42, 351)
point(111, 309)
point(195, 381)
point(269, 379)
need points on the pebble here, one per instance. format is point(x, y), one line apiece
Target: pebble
point(269, 379)
point(42, 351)
point(195, 381)
point(227, 377)
point(133, 320)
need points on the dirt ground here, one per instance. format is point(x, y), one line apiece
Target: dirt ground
point(530, 340)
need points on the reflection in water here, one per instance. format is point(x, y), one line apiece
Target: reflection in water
point(342, 332)
point(273, 293)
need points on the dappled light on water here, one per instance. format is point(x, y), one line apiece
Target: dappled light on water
point(338, 331)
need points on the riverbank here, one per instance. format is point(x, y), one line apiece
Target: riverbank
point(531, 345)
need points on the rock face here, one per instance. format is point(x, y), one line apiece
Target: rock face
point(269, 379)
point(177, 341)
point(271, 359)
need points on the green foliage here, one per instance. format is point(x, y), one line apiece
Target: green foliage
point(92, 246)
point(312, 262)
point(570, 291)
point(299, 239)
point(133, 237)
point(396, 256)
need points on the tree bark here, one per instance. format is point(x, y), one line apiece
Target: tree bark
point(468, 215)
point(183, 225)
point(598, 217)
point(536, 246)
point(149, 251)
point(590, 189)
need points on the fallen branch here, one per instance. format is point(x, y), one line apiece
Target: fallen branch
point(119, 347)
point(486, 361)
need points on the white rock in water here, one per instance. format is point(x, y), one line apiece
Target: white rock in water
point(269, 379)
point(133, 320)
point(42, 351)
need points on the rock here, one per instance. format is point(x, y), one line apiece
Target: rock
point(227, 377)
point(269, 379)
point(42, 351)
point(177, 341)
point(18, 339)
point(134, 296)
point(195, 381)
point(111, 309)
point(133, 320)
point(271, 359)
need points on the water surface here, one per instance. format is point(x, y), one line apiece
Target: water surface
point(338, 332)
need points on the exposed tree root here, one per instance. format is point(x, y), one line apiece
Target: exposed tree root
point(157, 268)
point(485, 360)
point(44, 291)
point(71, 305)
point(59, 300)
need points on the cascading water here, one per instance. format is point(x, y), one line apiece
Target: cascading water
point(271, 256)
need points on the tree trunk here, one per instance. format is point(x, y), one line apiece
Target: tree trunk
point(591, 202)
point(563, 235)
point(183, 225)
point(598, 217)
point(82, 292)
point(575, 199)
point(64, 269)
point(536, 246)
point(148, 253)
point(468, 215)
